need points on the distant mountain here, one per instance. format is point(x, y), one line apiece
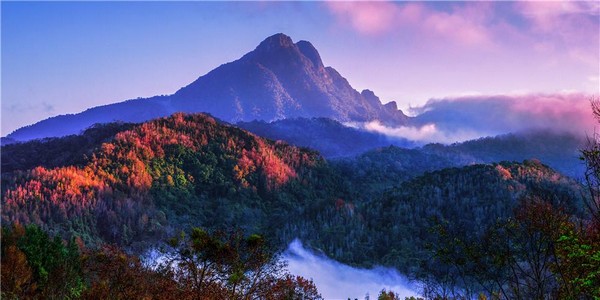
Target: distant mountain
point(335, 141)
point(558, 150)
point(378, 169)
point(279, 79)
point(331, 138)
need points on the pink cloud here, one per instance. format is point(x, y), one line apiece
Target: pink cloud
point(560, 28)
point(571, 27)
point(498, 114)
point(462, 25)
point(366, 17)
point(458, 26)
point(465, 118)
point(546, 15)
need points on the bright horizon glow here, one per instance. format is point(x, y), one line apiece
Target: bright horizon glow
point(65, 57)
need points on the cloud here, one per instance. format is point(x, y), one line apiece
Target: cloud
point(28, 107)
point(560, 28)
point(458, 119)
point(366, 17)
point(335, 280)
point(421, 134)
point(559, 25)
point(462, 24)
point(491, 115)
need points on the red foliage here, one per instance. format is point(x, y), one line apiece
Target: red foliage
point(116, 179)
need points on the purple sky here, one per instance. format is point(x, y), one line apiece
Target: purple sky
point(60, 58)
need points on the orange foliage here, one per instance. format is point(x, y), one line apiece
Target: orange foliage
point(16, 273)
point(121, 165)
point(263, 157)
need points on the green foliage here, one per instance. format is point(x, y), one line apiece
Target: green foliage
point(58, 152)
point(169, 174)
point(578, 253)
point(234, 266)
point(55, 271)
point(206, 266)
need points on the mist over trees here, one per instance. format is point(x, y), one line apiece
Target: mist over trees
point(424, 213)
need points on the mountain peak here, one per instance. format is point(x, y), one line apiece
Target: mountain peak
point(279, 79)
point(276, 41)
point(310, 52)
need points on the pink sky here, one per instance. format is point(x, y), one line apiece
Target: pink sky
point(65, 57)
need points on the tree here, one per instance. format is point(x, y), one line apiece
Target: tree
point(591, 157)
point(17, 277)
point(388, 295)
point(35, 264)
point(230, 265)
point(113, 274)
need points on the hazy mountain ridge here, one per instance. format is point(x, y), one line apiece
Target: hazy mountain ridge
point(561, 151)
point(331, 138)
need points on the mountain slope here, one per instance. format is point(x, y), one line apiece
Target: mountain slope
point(394, 228)
point(279, 79)
point(381, 168)
point(162, 175)
point(139, 183)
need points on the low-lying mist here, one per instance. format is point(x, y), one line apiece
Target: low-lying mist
point(339, 281)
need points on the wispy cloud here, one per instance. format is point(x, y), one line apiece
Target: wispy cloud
point(422, 134)
point(561, 27)
point(460, 24)
point(22, 107)
point(367, 17)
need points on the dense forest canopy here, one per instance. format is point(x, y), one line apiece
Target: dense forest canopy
point(137, 185)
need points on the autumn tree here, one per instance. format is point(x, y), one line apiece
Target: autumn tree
point(230, 265)
point(17, 277)
point(113, 274)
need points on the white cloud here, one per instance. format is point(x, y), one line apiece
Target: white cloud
point(335, 280)
point(458, 119)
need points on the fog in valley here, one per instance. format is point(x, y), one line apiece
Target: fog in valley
point(339, 281)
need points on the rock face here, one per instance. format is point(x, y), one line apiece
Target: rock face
point(277, 80)
point(282, 79)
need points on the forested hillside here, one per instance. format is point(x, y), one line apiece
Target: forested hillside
point(136, 185)
point(166, 174)
point(561, 151)
point(393, 227)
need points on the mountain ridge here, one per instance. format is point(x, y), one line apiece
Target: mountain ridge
point(278, 79)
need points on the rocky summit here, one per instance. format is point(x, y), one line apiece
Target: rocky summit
point(277, 80)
